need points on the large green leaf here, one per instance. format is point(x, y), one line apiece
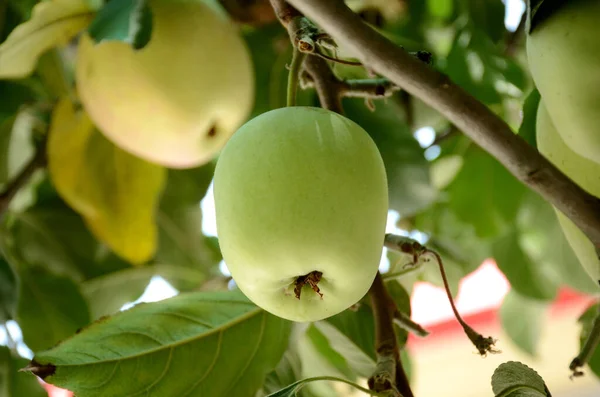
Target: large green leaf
point(197, 344)
point(69, 249)
point(50, 307)
point(116, 192)
point(14, 383)
point(522, 319)
point(526, 277)
point(181, 240)
point(543, 240)
point(485, 194)
point(52, 24)
point(407, 170)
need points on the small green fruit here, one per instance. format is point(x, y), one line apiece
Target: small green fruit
point(301, 205)
point(564, 59)
point(584, 172)
point(176, 101)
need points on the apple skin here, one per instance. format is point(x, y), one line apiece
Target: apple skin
point(161, 102)
point(584, 172)
point(301, 189)
point(563, 53)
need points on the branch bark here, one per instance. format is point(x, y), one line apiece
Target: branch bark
point(472, 117)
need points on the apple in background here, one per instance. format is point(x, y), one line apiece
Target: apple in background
point(563, 53)
point(176, 101)
point(301, 205)
point(584, 172)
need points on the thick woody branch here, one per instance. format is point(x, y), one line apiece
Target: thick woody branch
point(469, 115)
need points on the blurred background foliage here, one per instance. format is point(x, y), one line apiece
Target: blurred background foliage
point(57, 274)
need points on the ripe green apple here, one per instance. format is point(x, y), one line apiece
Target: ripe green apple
point(179, 99)
point(584, 172)
point(301, 205)
point(564, 58)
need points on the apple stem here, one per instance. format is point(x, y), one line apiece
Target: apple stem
point(293, 76)
point(416, 250)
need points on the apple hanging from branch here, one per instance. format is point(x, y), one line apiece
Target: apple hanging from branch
point(301, 205)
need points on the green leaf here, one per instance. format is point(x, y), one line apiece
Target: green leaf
point(197, 344)
point(440, 8)
point(288, 371)
point(328, 354)
point(527, 278)
point(487, 16)
point(484, 194)
point(14, 383)
point(542, 238)
point(16, 143)
point(522, 319)
point(351, 333)
point(181, 240)
point(293, 389)
point(116, 192)
point(52, 24)
point(530, 107)
point(319, 359)
point(402, 300)
point(106, 294)
point(50, 308)
point(8, 291)
point(407, 169)
point(514, 379)
point(586, 320)
point(454, 239)
point(67, 250)
point(129, 21)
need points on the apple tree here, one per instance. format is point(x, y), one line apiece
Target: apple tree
point(312, 120)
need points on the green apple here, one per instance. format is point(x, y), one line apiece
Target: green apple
point(301, 205)
point(564, 58)
point(179, 99)
point(584, 172)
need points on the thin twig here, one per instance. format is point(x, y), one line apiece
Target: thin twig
point(411, 247)
point(13, 187)
point(472, 117)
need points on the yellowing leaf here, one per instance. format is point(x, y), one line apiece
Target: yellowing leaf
point(53, 23)
point(116, 192)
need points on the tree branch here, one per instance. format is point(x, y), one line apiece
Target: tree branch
point(469, 115)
